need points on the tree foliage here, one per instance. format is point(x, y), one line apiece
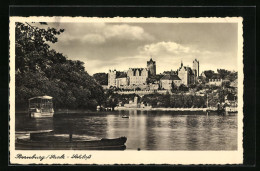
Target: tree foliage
point(42, 71)
point(183, 87)
point(174, 101)
point(154, 78)
point(101, 78)
point(209, 74)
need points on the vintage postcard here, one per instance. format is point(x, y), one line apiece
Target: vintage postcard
point(87, 90)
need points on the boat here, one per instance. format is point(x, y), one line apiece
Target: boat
point(231, 110)
point(51, 141)
point(125, 116)
point(40, 106)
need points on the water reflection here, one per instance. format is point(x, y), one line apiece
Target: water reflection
point(147, 130)
point(24, 123)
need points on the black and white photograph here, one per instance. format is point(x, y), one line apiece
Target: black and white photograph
point(129, 88)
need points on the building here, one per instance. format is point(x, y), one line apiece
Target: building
point(117, 79)
point(133, 104)
point(171, 72)
point(153, 86)
point(186, 75)
point(167, 81)
point(122, 81)
point(196, 68)
point(112, 78)
point(216, 82)
point(151, 66)
point(137, 76)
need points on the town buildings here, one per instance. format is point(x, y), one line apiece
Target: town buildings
point(138, 77)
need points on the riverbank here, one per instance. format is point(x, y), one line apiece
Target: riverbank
point(67, 111)
point(163, 109)
point(62, 111)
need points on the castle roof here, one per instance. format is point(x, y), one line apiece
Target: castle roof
point(170, 72)
point(170, 77)
point(215, 76)
point(151, 61)
point(196, 61)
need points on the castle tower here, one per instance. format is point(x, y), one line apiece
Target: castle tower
point(151, 66)
point(196, 67)
point(112, 78)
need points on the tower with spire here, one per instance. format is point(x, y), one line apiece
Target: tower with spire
point(151, 66)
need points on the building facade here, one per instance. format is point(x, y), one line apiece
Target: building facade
point(137, 76)
point(216, 82)
point(186, 75)
point(167, 81)
point(122, 82)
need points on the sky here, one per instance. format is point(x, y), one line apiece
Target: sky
point(104, 46)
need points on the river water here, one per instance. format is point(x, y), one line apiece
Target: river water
point(147, 130)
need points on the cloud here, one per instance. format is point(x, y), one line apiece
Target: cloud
point(100, 33)
point(170, 48)
point(93, 39)
point(168, 56)
point(126, 32)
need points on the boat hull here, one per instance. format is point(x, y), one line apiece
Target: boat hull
point(103, 144)
point(41, 114)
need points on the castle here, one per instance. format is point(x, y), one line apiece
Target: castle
point(133, 77)
point(137, 77)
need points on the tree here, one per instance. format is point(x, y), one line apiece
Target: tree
point(223, 73)
point(174, 87)
point(182, 87)
point(153, 79)
point(41, 71)
point(137, 88)
point(209, 74)
point(199, 87)
point(192, 86)
point(101, 78)
point(232, 76)
point(31, 45)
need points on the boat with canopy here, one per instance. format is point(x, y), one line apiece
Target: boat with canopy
point(40, 106)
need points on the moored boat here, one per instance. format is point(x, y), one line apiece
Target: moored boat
point(40, 106)
point(51, 141)
point(231, 110)
point(125, 116)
